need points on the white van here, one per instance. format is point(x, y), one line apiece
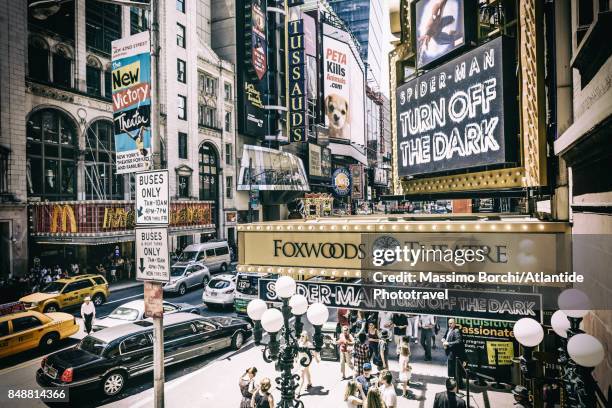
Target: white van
point(215, 255)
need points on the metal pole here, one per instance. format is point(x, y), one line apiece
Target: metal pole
point(158, 321)
point(250, 189)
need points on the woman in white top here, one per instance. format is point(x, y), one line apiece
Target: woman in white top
point(387, 389)
point(305, 377)
point(405, 371)
point(353, 394)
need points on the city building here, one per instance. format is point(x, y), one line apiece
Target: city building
point(365, 20)
point(57, 136)
point(582, 65)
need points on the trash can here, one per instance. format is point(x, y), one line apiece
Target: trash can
point(329, 351)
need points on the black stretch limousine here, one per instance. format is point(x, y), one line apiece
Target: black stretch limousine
point(109, 357)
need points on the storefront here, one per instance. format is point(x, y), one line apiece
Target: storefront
point(102, 232)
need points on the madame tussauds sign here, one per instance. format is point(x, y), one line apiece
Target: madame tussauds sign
point(460, 115)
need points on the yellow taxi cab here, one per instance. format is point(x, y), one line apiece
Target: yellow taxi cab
point(68, 292)
point(22, 329)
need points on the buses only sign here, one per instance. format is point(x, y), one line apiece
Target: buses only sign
point(152, 198)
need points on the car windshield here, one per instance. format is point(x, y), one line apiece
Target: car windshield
point(218, 284)
point(92, 345)
point(188, 256)
point(177, 271)
point(53, 287)
point(124, 313)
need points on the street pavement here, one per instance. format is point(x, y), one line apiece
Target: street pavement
point(216, 384)
point(18, 372)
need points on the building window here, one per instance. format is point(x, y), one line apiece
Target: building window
point(227, 88)
point(139, 20)
point(208, 172)
point(229, 154)
point(229, 187)
point(585, 18)
point(207, 116)
point(4, 169)
point(59, 24)
point(38, 60)
point(108, 87)
point(101, 181)
point(180, 5)
point(182, 107)
point(51, 155)
point(93, 81)
point(180, 35)
point(103, 25)
point(182, 145)
point(183, 186)
point(62, 69)
point(181, 74)
point(228, 121)
point(211, 86)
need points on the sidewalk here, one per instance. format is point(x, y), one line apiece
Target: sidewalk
point(216, 385)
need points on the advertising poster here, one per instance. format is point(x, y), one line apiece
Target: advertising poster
point(314, 160)
point(326, 162)
point(341, 182)
point(259, 49)
point(484, 339)
point(459, 115)
point(131, 92)
point(357, 177)
point(440, 29)
point(344, 88)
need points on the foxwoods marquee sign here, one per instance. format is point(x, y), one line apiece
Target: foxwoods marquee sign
point(460, 115)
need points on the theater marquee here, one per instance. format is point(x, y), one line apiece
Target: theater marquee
point(459, 116)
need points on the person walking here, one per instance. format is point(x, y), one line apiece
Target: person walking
point(455, 350)
point(449, 398)
point(305, 376)
point(387, 389)
point(247, 386)
point(405, 371)
point(427, 324)
point(353, 394)
point(412, 328)
point(373, 344)
point(262, 397)
point(361, 353)
point(343, 319)
point(345, 344)
point(88, 313)
point(383, 349)
point(400, 322)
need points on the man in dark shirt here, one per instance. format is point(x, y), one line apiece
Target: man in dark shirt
point(455, 350)
point(400, 322)
point(365, 379)
point(449, 398)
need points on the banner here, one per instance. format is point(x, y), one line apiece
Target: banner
point(259, 46)
point(326, 165)
point(460, 115)
point(341, 182)
point(131, 86)
point(344, 88)
point(314, 161)
point(357, 177)
point(298, 118)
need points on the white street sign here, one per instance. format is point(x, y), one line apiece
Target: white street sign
point(152, 257)
point(152, 198)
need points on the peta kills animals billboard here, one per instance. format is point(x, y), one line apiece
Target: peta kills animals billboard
point(460, 115)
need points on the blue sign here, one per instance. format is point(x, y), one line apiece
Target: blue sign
point(341, 181)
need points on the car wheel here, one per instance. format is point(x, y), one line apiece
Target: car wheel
point(48, 341)
point(182, 289)
point(113, 383)
point(237, 340)
point(51, 307)
point(98, 299)
point(223, 267)
point(205, 281)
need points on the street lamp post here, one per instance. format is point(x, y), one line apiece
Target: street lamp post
point(579, 355)
point(284, 350)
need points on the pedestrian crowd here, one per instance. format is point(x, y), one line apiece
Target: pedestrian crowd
point(35, 280)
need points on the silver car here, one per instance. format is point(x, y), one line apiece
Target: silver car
point(185, 275)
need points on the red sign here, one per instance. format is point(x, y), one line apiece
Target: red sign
point(259, 48)
point(153, 296)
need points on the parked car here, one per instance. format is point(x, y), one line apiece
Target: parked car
point(108, 358)
point(214, 254)
point(186, 275)
point(134, 311)
point(22, 330)
point(220, 291)
point(67, 292)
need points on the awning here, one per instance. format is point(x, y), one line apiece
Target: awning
point(269, 169)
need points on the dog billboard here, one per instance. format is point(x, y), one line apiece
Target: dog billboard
point(344, 88)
